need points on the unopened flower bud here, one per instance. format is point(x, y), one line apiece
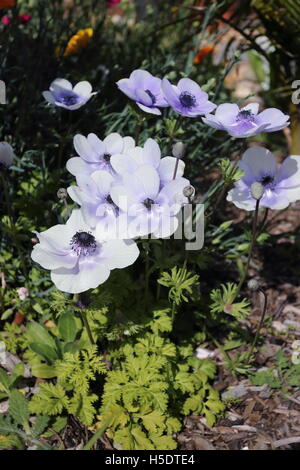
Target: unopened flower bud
point(189, 192)
point(22, 293)
point(62, 193)
point(257, 190)
point(253, 285)
point(178, 150)
point(6, 155)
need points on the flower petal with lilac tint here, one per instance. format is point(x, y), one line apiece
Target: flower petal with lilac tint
point(63, 95)
point(281, 186)
point(145, 182)
point(187, 98)
point(258, 162)
point(145, 90)
point(246, 122)
point(167, 167)
point(113, 143)
point(276, 119)
point(147, 109)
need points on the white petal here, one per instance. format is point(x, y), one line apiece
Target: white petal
point(96, 144)
point(167, 167)
point(129, 143)
point(253, 107)
point(83, 88)
point(147, 109)
point(260, 161)
point(113, 143)
point(51, 260)
point(77, 166)
point(84, 148)
point(49, 97)
point(120, 253)
point(103, 181)
point(145, 182)
point(152, 153)
point(60, 84)
point(86, 276)
point(123, 197)
point(123, 164)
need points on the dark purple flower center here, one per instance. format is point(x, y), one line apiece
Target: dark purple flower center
point(149, 93)
point(112, 204)
point(245, 115)
point(267, 180)
point(187, 100)
point(83, 243)
point(148, 203)
point(69, 99)
point(107, 157)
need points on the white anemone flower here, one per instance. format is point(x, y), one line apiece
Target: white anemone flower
point(95, 154)
point(149, 154)
point(280, 184)
point(78, 258)
point(62, 94)
point(150, 208)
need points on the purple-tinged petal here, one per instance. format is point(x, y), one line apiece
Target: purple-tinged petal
point(274, 117)
point(113, 143)
point(149, 110)
point(227, 113)
point(167, 167)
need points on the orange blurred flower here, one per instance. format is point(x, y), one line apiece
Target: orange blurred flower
point(203, 53)
point(78, 41)
point(7, 3)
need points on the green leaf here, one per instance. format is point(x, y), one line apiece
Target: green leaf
point(4, 381)
point(67, 327)
point(18, 408)
point(51, 400)
point(153, 421)
point(43, 371)
point(10, 442)
point(164, 443)
point(40, 425)
point(45, 351)
point(39, 334)
point(141, 441)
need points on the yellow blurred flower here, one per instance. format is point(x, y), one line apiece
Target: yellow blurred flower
point(7, 3)
point(78, 41)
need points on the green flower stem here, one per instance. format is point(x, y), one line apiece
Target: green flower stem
point(97, 435)
point(260, 323)
point(82, 299)
point(173, 311)
point(251, 247)
point(147, 276)
point(87, 327)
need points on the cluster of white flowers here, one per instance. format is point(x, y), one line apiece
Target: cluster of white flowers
point(124, 192)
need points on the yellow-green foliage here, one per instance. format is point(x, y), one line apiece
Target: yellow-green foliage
point(71, 391)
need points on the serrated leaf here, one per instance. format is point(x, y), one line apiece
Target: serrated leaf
point(40, 425)
point(153, 421)
point(164, 443)
point(18, 408)
point(141, 440)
